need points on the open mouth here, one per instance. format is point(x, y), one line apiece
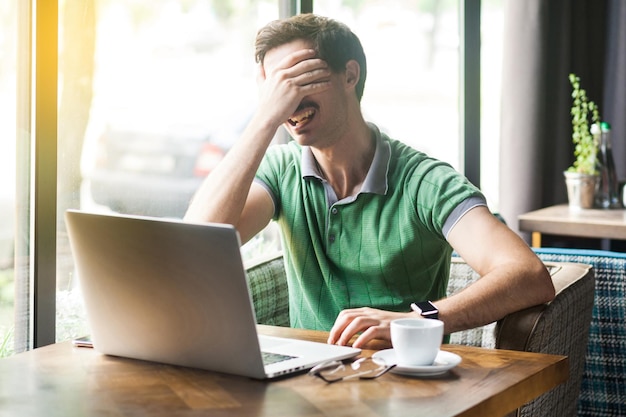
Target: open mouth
point(302, 116)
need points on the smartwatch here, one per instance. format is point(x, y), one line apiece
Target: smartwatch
point(426, 309)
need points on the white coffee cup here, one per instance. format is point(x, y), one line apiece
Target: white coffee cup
point(416, 341)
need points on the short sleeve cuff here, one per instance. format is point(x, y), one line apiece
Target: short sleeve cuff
point(460, 211)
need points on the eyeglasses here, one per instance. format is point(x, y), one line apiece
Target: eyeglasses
point(363, 368)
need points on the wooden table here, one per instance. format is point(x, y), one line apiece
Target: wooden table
point(563, 221)
point(62, 380)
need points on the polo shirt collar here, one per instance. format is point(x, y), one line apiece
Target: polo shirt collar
point(376, 178)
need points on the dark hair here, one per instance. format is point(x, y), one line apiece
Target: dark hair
point(334, 42)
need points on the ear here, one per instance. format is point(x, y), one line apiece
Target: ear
point(353, 73)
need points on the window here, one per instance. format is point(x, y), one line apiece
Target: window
point(413, 91)
point(151, 93)
point(412, 87)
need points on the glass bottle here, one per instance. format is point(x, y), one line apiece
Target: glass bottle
point(607, 195)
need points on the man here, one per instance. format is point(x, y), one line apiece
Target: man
point(368, 224)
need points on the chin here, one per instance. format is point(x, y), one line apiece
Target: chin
point(302, 138)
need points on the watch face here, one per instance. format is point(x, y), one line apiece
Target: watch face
point(426, 306)
point(428, 309)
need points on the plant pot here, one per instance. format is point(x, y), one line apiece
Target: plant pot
point(581, 189)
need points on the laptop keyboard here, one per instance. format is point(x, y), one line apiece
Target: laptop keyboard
point(270, 358)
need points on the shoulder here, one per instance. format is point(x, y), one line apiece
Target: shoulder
point(280, 166)
point(284, 151)
point(282, 156)
point(434, 188)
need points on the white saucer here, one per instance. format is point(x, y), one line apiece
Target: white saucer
point(442, 364)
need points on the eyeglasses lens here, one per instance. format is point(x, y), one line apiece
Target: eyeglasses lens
point(363, 368)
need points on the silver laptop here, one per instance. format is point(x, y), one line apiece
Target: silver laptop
point(175, 292)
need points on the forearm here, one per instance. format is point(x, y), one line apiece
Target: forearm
point(512, 276)
point(504, 290)
point(222, 196)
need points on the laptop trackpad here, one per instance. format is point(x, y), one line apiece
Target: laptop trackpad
point(269, 342)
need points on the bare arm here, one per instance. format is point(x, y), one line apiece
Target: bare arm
point(228, 194)
point(228, 189)
point(512, 276)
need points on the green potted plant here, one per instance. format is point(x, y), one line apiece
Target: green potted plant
point(581, 177)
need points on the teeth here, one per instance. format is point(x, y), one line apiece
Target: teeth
point(301, 117)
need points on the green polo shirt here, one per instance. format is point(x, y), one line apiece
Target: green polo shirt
point(384, 247)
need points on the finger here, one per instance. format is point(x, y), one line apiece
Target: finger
point(295, 58)
point(313, 77)
point(372, 333)
point(340, 324)
point(292, 61)
point(302, 71)
point(344, 318)
point(356, 326)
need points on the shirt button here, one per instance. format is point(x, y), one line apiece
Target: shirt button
point(331, 238)
point(334, 210)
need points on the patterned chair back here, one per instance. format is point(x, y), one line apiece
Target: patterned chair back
point(603, 390)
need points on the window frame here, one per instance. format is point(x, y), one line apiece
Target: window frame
point(43, 209)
